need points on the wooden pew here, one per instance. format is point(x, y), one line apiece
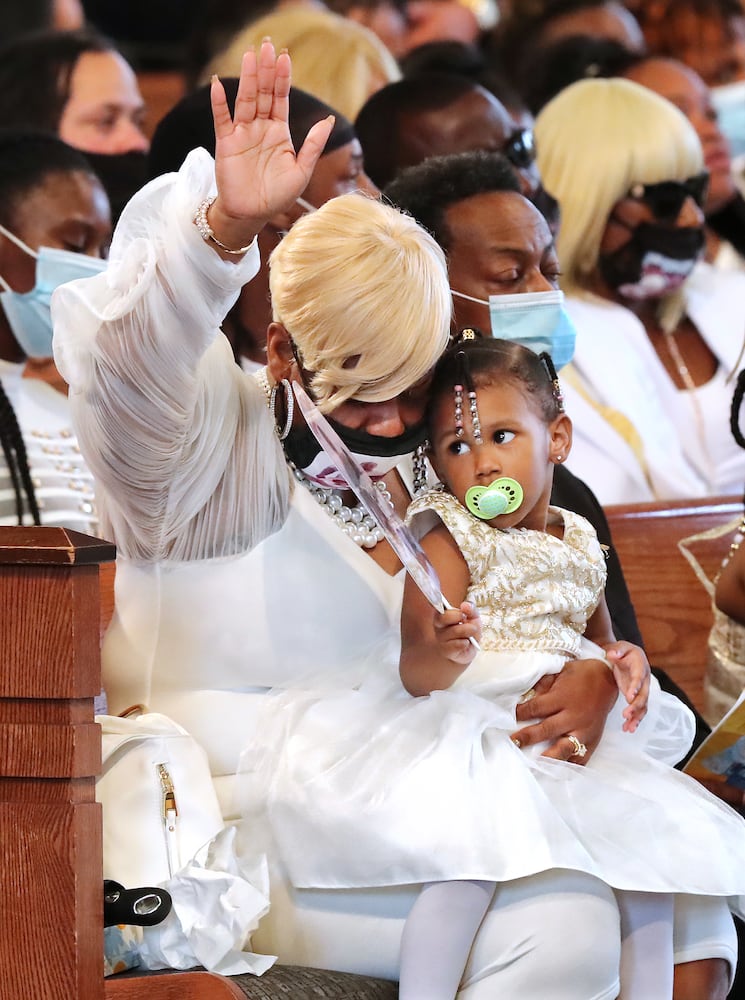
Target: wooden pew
point(51, 928)
point(673, 609)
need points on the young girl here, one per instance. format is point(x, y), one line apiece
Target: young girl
point(433, 789)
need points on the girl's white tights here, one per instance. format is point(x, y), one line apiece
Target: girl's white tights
point(646, 945)
point(438, 936)
point(443, 922)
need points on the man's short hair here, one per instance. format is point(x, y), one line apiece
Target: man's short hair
point(381, 121)
point(427, 190)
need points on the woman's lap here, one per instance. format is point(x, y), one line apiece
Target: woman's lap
point(555, 934)
point(540, 932)
point(555, 931)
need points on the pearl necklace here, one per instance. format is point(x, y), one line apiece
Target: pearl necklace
point(356, 522)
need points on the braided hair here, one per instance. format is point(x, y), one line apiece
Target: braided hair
point(16, 460)
point(478, 361)
point(734, 416)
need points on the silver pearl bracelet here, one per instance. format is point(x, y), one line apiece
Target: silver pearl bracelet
point(206, 231)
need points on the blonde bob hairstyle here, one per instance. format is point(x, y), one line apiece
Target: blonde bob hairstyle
point(595, 140)
point(363, 292)
point(335, 59)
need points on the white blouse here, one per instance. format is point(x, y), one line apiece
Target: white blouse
point(63, 485)
point(173, 430)
point(688, 449)
point(228, 583)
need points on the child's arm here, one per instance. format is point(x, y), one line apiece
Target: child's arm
point(730, 591)
point(435, 648)
point(629, 665)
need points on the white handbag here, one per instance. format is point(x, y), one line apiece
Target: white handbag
point(159, 802)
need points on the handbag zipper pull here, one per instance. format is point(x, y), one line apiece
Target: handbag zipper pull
point(170, 814)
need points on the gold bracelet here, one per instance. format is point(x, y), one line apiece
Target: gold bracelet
point(206, 231)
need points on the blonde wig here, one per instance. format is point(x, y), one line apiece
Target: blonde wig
point(363, 291)
point(333, 58)
point(595, 140)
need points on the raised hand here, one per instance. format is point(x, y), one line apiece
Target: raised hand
point(257, 170)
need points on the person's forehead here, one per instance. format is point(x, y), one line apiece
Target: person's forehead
point(341, 155)
point(62, 195)
point(476, 120)
point(608, 20)
point(496, 220)
point(332, 168)
point(104, 76)
point(670, 78)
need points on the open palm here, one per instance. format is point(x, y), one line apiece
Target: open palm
point(257, 170)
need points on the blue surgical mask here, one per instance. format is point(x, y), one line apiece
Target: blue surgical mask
point(28, 313)
point(537, 320)
point(729, 102)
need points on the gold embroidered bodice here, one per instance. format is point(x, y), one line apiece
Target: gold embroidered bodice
point(534, 591)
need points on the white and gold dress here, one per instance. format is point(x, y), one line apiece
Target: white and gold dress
point(375, 787)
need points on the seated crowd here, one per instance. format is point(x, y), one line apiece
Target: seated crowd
point(363, 218)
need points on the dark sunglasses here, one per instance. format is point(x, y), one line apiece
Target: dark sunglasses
point(520, 149)
point(667, 198)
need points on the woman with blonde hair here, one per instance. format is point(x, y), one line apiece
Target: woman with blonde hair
point(333, 58)
point(244, 561)
point(658, 330)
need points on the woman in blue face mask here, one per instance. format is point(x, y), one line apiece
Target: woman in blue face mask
point(54, 227)
point(658, 330)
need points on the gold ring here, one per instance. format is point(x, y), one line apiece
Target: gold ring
point(579, 748)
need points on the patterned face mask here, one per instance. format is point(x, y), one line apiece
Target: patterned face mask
point(655, 261)
point(376, 455)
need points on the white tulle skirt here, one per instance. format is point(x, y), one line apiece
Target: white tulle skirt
point(371, 787)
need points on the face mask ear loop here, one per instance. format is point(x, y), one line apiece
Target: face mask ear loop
point(469, 298)
point(21, 246)
point(305, 204)
point(18, 242)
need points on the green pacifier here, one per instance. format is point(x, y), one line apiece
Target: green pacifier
point(501, 497)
